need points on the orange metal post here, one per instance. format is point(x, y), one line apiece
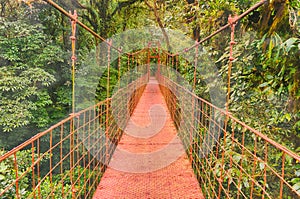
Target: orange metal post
point(17, 175)
point(107, 102)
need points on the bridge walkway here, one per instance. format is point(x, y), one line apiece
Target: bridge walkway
point(150, 160)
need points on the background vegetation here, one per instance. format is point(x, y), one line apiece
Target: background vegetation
point(35, 76)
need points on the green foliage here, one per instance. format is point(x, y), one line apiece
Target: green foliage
point(24, 57)
point(296, 180)
point(108, 17)
point(265, 91)
point(54, 189)
point(60, 186)
point(8, 173)
point(34, 77)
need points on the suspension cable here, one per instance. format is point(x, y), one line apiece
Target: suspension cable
point(63, 11)
point(236, 19)
point(254, 7)
point(73, 40)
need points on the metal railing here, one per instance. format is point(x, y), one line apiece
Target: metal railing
point(230, 159)
point(68, 159)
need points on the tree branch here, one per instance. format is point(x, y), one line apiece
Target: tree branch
point(124, 4)
point(158, 20)
point(79, 4)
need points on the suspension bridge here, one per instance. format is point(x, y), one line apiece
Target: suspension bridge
point(153, 138)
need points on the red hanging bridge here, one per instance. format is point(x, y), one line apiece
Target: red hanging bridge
point(153, 138)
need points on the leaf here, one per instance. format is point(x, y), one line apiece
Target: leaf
point(261, 166)
point(267, 89)
point(297, 124)
point(263, 84)
point(297, 187)
point(3, 167)
point(237, 157)
point(287, 116)
point(295, 180)
point(246, 183)
point(269, 77)
point(289, 44)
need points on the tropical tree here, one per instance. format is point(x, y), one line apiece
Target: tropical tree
point(29, 63)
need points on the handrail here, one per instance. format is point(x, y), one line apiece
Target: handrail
point(63, 11)
point(93, 123)
point(277, 145)
point(235, 20)
point(226, 153)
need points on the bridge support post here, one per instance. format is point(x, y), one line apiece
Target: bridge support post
point(119, 67)
point(72, 124)
point(193, 100)
point(232, 22)
point(158, 58)
point(109, 44)
point(148, 61)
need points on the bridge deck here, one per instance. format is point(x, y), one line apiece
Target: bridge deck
point(149, 161)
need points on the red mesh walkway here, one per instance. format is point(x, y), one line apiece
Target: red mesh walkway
point(149, 161)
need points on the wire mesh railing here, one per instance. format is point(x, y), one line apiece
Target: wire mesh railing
point(60, 164)
point(68, 159)
point(230, 159)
